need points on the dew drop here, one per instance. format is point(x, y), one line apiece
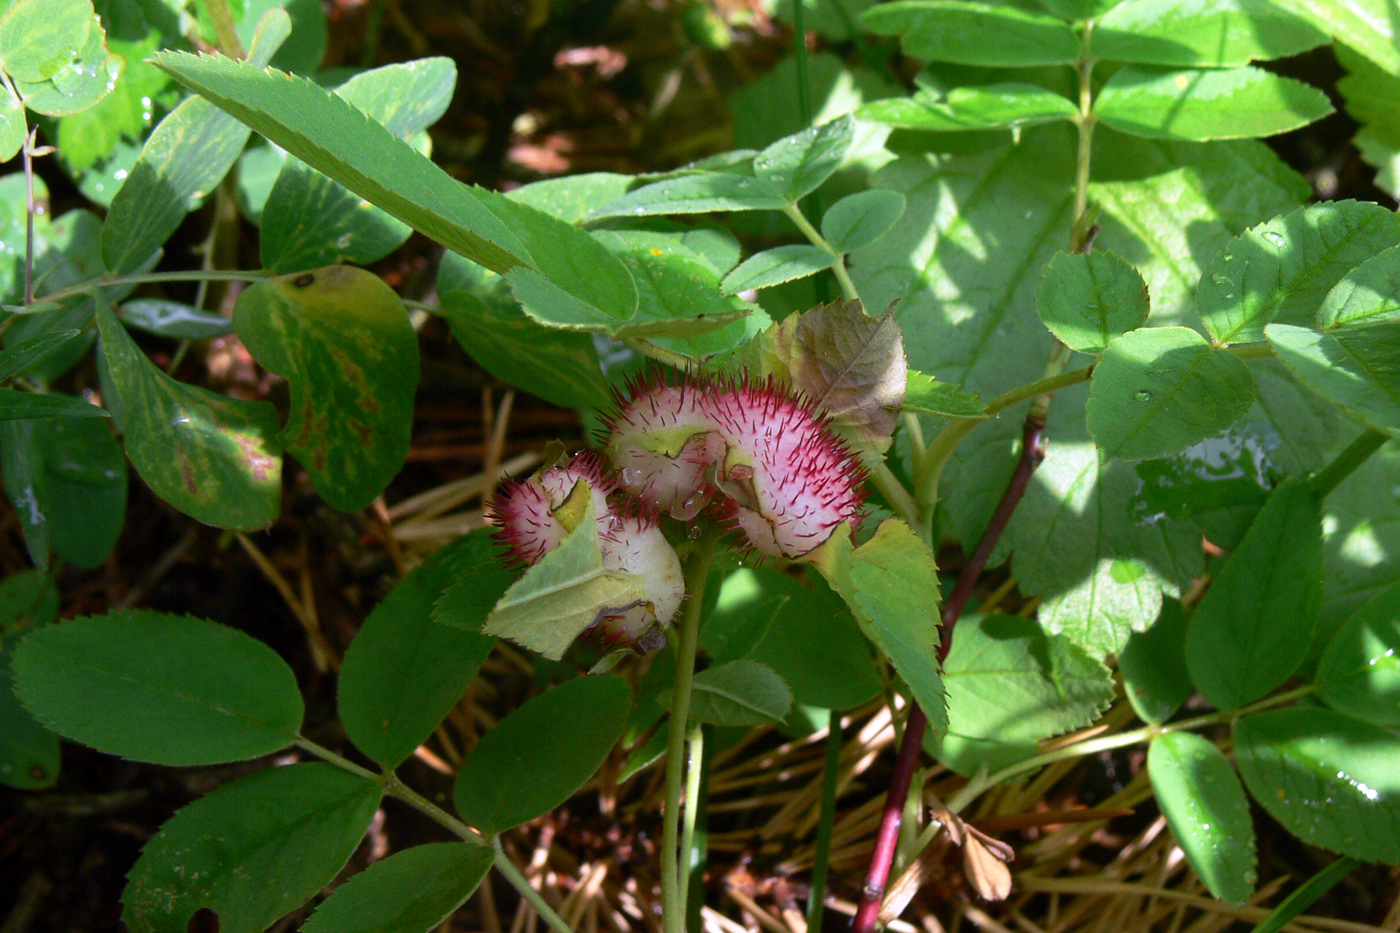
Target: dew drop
point(1274, 237)
point(1143, 395)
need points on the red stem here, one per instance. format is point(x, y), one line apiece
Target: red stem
point(887, 837)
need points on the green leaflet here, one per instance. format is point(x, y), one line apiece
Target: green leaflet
point(411, 891)
point(343, 340)
point(317, 221)
point(1158, 390)
point(1229, 103)
point(215, 458)
point(1207, 811)
point(1291, 759)
point(250, 851)
point(1254, 626)
point(1087, 300)
point(559, 273)
point(169, 689)
point(973, 33)
point(1359, 673)
point(1213, 34)
point(541, 752)
point(1356, 368)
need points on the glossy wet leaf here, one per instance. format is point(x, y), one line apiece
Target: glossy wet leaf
point(1358, 369)
point(1282, 269)
point(1254, 626)
point(184, 159)
point(38, 37)
point(1207, 811)
point(1153, 664)
point(343, 340)
point(739, 693)
point(700, 193)
point(1088, 299)
point(84, 80)
point(798, 164)
point(168, 689)
point(1101, 571)
point(1360, 673)
point(1158, 390)
point(1229, 103)
point(166, 318)
point(776, 266)
point(973, 33)
point(541, 752)
point(251, 851)
point(891, 584)
point(1009, 681)
point(564, 594)
point(972, 108)
point(927, 396)
point(317, 221)
point(1212, 34)
point(404, 671)
point(412, 891)
point(1368, 294)
point(862, 218)
point(561, 274)
point(1331, 780)
point(215, 458)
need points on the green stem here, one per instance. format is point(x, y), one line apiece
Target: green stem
point(224, 30)
point(672, 884)
point(325, 754)
point(831, 772)
point(695, 738)
point(1345, 463)
point(522, 884)
point(1093, 746)
point(799, 55)
point(899, 498)
point(1252, 351)
point(146, 278)
point(838, 268)
point(398, 789)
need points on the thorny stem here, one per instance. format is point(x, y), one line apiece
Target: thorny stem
point(838, 268)
point(396, 788)
point(1345, 463)
point(145, 278)
point(1082, 231)
point(673, 884)
point(28, 150)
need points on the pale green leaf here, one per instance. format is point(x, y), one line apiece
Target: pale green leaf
point(1228, 103)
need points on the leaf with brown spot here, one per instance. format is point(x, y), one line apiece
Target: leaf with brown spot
point(215, 458)
point(343, 340)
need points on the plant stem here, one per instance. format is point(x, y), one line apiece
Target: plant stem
point(695, 739)
point(146, 278)
point(830, 775)
point(899, 498)
point(325, 754)
point(838, 268)
point(1345, 463)
point(959, 801)
point(397, 788)
point(506, 867)
point(672, 884)
point(1081, 238)
point(224, 30)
